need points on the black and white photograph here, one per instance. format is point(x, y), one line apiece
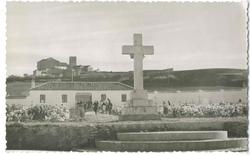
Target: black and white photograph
point(125, 76)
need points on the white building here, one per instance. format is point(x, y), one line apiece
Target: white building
point(40, 72)
point(88, 68)
point(68, 93)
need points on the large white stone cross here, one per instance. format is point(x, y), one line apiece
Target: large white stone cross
point(137, 52)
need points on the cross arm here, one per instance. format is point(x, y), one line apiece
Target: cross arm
point(145, 50)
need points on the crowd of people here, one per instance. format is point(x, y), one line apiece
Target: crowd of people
point(104, 107)
point(86, 105)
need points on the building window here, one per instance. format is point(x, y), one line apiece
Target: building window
point(64, 98)
point(124, 97)
point(42, 98)
point(103, 97)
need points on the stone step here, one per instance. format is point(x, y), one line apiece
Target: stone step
point(238, 149)
point(160, 146)
point(171, 135)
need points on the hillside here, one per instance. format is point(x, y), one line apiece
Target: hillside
point(187, 78)
point(153, 79)
point(18, 88)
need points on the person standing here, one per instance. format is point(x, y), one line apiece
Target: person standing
point(81, 110)
point(239, 101)
point(91, 105)
point(107, 107)
point(110, 105)
point(104, 107)
point(84, 105)
point(165, 108)
point(96, 106)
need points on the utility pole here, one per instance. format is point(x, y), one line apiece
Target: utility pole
point(168, 77)
point(72, 75)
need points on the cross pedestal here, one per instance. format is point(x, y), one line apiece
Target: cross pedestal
point(139, 106)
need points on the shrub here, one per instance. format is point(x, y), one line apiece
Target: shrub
point(245, 110)
point(212, 110)
point(176, 112)
point(57, 114)
point(38, 112)
point(73, 112)
point(17, 113)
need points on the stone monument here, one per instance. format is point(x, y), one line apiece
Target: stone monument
point(139, 107)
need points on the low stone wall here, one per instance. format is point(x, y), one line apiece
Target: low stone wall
point(47, 137)
point(66, 137)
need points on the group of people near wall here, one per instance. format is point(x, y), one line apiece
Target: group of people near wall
point(86, 105)
point(103, 107)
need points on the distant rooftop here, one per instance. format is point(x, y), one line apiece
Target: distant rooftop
point(62, 64)
point(82, 86)
point(50, 58)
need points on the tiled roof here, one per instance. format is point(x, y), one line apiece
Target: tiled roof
point(82, 86)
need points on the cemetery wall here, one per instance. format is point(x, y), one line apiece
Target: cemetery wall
point(65, 137)
point(25, 101)
point(203, 97)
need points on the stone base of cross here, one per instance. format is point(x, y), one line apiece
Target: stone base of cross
point(139, 106)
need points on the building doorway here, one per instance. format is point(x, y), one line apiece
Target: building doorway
point(85, 98)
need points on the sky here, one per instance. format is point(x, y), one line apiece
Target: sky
point(185, 36)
